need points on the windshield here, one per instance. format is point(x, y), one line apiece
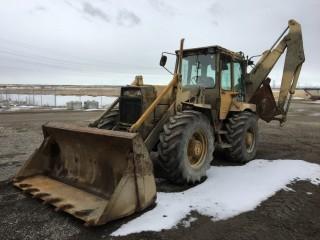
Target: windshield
point(199, 70)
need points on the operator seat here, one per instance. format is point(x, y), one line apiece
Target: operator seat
point(205, 81)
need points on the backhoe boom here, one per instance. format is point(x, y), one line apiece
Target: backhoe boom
point(292, 42)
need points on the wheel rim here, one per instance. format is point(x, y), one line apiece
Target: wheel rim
point(197, 149)
point(250, 140)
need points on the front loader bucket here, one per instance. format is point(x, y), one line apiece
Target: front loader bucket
point(95, 175)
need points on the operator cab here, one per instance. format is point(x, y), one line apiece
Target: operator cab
point(213, 67)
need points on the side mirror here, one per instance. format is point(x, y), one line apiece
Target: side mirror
point(250, 63)
point(163, 60)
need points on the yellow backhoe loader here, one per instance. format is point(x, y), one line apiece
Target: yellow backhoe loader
point(104, 171)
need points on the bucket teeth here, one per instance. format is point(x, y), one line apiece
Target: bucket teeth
point(84, 212)
point(52, 200)
point(63, 207)
point(31, 190)
point(89, 223)
point(16, 179)
point(40, 195)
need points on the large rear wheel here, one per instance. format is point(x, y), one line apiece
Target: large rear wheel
point(186, 147)
point(242, 135)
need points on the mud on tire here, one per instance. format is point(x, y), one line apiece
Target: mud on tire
point(242, 135)
point(186, 147)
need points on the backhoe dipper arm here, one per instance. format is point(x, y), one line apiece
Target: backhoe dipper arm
point(292, 42)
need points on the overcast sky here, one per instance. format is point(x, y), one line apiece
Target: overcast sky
point(110, 41)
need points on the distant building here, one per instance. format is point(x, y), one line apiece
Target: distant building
point(91, 104)
point(74, 105)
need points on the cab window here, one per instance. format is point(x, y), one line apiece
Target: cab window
point(199, 70)
point(226, 75)
point(237, 75)
point(238, 81)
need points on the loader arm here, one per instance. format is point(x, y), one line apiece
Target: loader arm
point(258, 84)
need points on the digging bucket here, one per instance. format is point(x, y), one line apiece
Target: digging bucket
point(95, 175)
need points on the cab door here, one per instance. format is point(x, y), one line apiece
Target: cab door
point(231, 84)
point(238, 80)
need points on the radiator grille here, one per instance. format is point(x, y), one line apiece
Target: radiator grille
point(130, 109)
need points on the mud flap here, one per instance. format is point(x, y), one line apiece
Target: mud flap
point(96, 175)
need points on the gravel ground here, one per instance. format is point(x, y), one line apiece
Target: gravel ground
point(286, 215)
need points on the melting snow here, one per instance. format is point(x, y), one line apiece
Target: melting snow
point(317, 114)
point(21, 107)
point(227, 192)
point(316, 101)
point(186, 223)
point(93, 109)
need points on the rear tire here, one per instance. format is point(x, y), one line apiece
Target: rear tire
point(109, 121)
point(242, 135)
point(186, 147)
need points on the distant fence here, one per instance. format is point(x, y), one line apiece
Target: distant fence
point(60, 90)
point(57, 95)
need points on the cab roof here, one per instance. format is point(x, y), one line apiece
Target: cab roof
point(212, 49)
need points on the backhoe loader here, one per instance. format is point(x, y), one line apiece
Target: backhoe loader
point(104, 171)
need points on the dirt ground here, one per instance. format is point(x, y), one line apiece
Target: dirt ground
point(286, 215)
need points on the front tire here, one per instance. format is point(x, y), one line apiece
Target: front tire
point(186, 147)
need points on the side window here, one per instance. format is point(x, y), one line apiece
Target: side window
point(226, 76)
point(211, 73)
point(199, 70)
point(185, 71)
point(237, 73)
point(195, 71)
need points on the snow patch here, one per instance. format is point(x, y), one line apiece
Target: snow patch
point(288, 189)
point(58, 108)
point(22, 107)
point(187, 223)
point(93, 109)
point(317, 114)
point(317, 101)
point(227, 192)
